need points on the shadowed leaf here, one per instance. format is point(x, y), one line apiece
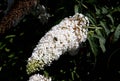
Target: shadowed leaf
point(117, 33)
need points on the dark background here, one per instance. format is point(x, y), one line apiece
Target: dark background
point(92, 63)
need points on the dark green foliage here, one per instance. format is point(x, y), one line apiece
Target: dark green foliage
point(98, 59)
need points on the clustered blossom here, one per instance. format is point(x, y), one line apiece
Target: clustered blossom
point(63, 37)
point(38, 77)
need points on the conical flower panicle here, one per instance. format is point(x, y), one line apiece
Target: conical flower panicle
point(63, 37)
point(38, 77)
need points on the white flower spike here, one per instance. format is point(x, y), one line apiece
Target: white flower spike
point(38, 77)
point(63, 37)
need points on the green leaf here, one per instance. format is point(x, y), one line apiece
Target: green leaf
point(46, 73)
point(103, 24)
point(97, 11)
point(102, 40)
point(11, 40)
point(102, 44)
point(98, 32)
point(91, 19)
point(11, 56)
point(72, 75)
point(84, 6)
point(10, 36)
point(2, 46)
point(0, 68)
point(7, 50)
point(111, 18)
point(76, 8)
point(93, 45)
point(104, 10)
point(117, 33)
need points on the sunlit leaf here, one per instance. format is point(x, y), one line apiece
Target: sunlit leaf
point(84, 6)
point(61, 71)
point(10, 36)
point(11, 56)
point(77, 75)
point(7, 49)
point(72, 75)
point(0, 68)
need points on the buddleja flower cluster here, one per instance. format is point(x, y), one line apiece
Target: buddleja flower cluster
point(63, 37)
point(38, 77)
